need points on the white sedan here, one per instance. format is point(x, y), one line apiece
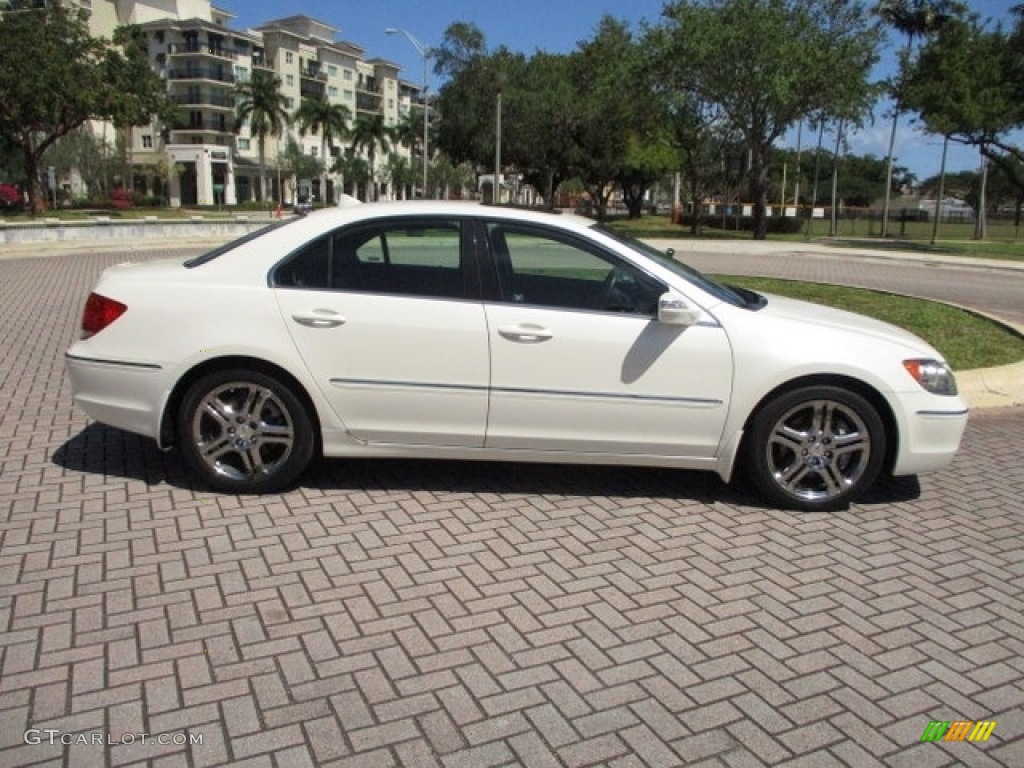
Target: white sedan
point(459, 331)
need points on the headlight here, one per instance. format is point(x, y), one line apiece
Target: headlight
point(934, 375)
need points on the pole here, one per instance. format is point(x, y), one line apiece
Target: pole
point(942, 192)
point(423, 51)
point(834, 228)
point(796, 186)
point(817, 171)
point(496, 196)
point(426, 123)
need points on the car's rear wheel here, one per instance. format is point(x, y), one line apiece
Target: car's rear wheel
point(244, 432)
point(815, 448)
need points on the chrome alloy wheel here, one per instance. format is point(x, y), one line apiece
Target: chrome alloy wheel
point(818, 450)
point(242, 431)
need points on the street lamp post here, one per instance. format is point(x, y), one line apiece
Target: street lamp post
point(425, 53)
point(496, 189)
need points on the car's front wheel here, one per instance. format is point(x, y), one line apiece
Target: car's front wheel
point(815, 448)
point(244, 432)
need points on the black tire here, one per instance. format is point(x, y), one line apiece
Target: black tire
point(244, 432)
point(815, 449)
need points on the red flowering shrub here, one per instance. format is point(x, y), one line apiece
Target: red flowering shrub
point(10, 197)
point(121, 198)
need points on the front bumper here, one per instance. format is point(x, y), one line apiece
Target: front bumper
point(931, 433)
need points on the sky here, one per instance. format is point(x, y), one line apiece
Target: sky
point(556, 27)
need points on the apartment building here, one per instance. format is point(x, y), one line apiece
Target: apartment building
point(193, 47)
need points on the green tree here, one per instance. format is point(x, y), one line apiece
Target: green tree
point(354, 170)
point(540, 100)
point(466, 102)
point(915, 20)
point(370, 133)
point(260, 103)
point(327, 119)
point(82, 150)
point(126, 68)
point(55, 77)
point(966, 86)
point(296, 164)
point(768, 64)
point(402, 174)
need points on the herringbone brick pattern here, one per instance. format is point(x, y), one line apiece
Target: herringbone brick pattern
point(443, 614)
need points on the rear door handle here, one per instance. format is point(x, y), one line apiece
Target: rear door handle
point(319, 318)
point(528, 333)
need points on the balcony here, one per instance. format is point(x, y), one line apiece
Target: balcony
point(315, 91)
point(203, 100)
point(313, 73)
point(191, 48)
point(204, 124)
point(202, 73)
point(261, 61)
point(368, 101)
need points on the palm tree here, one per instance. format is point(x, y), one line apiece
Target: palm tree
point(259, 102)
point(914, 19)
point(370, 132)
point(327, 119)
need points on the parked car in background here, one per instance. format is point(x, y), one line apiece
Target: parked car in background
point(458, 331)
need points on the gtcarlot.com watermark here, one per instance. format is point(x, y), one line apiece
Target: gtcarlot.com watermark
point(100, 739)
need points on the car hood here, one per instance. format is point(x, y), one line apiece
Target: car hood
point(805, 312)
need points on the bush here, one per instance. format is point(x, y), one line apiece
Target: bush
point(10, 198)
point(121, 198)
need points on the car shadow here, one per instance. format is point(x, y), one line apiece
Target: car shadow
point(112, 453)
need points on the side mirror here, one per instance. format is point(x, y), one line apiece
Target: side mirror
point(673, 310)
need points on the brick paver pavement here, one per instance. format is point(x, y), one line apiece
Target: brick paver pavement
point(445, 614)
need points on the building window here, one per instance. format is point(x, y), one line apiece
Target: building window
point(391, 103)
point(242, 74)
point(147, 141)
point(332, 91)
point(347, 74)
point(289, 80)
point(289, 102)
point(348, 95)
point(314, 151)
point(243, 145)
point(332, 70)
point(288, 57)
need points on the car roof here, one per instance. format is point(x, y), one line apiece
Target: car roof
point(351, 213)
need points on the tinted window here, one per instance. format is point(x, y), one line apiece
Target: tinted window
point(550, 269)
point(413, 257)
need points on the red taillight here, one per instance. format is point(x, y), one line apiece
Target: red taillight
point(99, 312)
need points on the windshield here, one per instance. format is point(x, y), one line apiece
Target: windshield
point(725, 293)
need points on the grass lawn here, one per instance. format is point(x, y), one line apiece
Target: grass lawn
point(966, 340)
point(1002, 243)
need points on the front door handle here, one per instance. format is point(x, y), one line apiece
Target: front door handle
point(528, 333)
point(319, 318)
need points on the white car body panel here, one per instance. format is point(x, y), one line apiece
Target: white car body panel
point(606, 383)
point(463, 379)
point(431, 386)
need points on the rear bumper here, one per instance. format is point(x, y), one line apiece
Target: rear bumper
point(126, 395)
